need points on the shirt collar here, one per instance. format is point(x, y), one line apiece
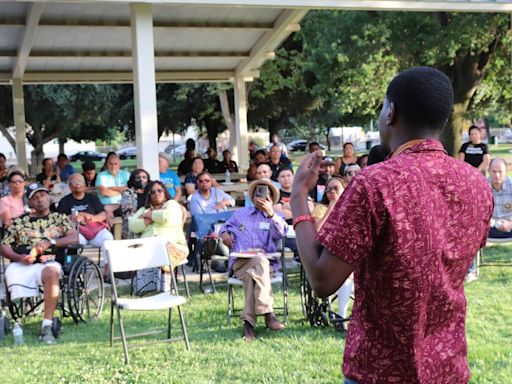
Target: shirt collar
point(418, 145)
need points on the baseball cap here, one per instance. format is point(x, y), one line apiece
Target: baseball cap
point(33, 188)
point(327, 160)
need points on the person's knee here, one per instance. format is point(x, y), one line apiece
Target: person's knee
point(50, 275)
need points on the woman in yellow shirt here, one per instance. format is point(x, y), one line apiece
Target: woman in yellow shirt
point(162, 216)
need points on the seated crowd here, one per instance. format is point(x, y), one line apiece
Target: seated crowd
point(146, 207)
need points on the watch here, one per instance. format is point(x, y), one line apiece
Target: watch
point(53, 242)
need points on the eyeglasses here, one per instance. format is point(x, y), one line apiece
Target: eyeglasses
point(155, 191)
point(204, 181)
point(76, 182)
point(17, 181)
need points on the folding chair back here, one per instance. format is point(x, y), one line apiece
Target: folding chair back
point(135, 254)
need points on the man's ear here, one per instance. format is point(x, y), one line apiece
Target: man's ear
point(391, 117)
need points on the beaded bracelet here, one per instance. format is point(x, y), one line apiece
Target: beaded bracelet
point(300, 219)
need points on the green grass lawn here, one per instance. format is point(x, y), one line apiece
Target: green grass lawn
point(299, 354)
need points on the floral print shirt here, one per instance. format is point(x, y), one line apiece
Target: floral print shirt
point(411, 227)
point(28, 231)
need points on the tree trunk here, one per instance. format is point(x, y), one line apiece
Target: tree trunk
point(328, 141)
point(8, 136)
point(273, 128)
point(61, 145)
point(37, 156)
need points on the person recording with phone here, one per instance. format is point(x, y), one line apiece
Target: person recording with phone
point(254, 231)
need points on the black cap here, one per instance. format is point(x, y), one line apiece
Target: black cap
point(33, 188)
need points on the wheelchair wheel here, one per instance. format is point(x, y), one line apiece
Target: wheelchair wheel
point(85, 290)
point(314, 309)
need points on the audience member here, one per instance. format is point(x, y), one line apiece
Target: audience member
point(227, 164)
point(276, 162)
point(65, 168)
point(252, 149)
point(351, 170)
point(501, 187)
point(190, 154)
point(474, 152)
point(263, 172)
point(327, 170)
point(86, 211)
point(377, 154)
point(349, 157)
point(362, 161)
point(276, 140)
point(109, 155)
point(160, 216)
point(313, 147)
point(250, 228)
point(3, 168)
point(89, 174)
point(211, 164)
point(169, 177)
point(49, 175)
point(191, 179)
point(111, 182)
point(260, 157)
point(13, 205)
point(26, 244)
point(133, 198)
point(208, 199)
point(333, 190)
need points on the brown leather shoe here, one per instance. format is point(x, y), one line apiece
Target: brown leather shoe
point(272, 323)
point(248, 331)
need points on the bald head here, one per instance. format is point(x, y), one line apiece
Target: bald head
point(263, 171)
point(498, 173)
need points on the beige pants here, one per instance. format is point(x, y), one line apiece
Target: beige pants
point(255, 273)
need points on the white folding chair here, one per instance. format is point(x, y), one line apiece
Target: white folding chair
point(133, 255)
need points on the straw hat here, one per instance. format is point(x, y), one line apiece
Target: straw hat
point(269, 184)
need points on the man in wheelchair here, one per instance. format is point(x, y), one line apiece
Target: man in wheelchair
point(28, 244)
point(253, 229)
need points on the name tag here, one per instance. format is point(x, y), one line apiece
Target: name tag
point(264, 225)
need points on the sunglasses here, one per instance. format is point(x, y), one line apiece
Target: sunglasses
point(155, 191)
point(17, 181)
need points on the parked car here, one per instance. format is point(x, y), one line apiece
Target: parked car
point(300, 145)
point(127, 153)
point(87, 155)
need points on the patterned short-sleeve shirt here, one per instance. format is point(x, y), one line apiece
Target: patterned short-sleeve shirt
point(411, 227)
point(28, 231)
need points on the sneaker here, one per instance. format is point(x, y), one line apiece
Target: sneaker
point(471, 276)
point(46, 335)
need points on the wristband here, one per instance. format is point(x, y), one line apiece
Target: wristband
point(302, 218)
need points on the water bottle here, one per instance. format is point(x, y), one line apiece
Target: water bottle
point(17, 332)
point(227, 176)
point(3, 325)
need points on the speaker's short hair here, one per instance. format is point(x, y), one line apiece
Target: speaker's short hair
point(423, 96)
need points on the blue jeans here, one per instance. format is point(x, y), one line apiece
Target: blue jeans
point(349, 381)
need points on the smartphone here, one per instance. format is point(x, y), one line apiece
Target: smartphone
point(262, 191)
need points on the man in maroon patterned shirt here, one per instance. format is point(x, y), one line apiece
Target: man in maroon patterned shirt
point(408, 228)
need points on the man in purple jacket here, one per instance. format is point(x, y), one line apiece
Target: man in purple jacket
point(248, 230)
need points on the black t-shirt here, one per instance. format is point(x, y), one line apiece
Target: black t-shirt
point(284, 197)
point(474, 153)
point(89, 204)
point(212, 165)
point(41, 177)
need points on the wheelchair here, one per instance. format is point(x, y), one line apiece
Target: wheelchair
point(81, 287)
point(317, 311)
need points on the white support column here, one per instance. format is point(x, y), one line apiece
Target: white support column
point(144, 89)
point(241, 151)
point(18, 103)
